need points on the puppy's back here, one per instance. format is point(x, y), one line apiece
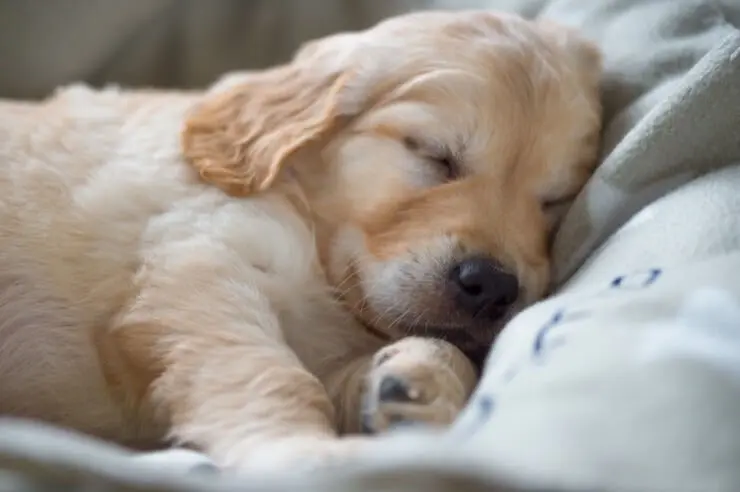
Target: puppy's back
point(82, 176)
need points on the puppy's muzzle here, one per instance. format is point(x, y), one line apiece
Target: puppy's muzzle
point(482, 289)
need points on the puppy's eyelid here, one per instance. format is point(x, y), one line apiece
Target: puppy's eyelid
point(437, 153)
point(557, 201)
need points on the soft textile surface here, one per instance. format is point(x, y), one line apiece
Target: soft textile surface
point(628, 379)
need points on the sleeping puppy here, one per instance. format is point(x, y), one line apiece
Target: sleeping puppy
point(296, 254)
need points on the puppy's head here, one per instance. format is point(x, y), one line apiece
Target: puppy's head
point(436, 150)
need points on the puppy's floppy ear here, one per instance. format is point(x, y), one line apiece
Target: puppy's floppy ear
point(240, 137)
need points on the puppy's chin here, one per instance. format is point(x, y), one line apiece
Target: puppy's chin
point(410, 298)
point(472, 337)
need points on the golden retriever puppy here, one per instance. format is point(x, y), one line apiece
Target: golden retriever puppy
point(296, 254)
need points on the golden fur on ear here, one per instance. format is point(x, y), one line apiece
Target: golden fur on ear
point(240, 139)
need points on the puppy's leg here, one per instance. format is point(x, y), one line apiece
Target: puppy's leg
point(415, 380)
point(346, 388)
point(202, 349)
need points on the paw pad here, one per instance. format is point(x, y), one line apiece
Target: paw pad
point(393, 389)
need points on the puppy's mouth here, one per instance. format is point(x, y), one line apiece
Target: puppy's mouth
point(474, 347)
point(474, 341)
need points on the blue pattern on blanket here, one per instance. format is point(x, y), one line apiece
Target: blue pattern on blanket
point(482, 404)
point(538, 347)
point(636, 280)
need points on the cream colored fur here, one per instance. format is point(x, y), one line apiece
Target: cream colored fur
point(139, 302)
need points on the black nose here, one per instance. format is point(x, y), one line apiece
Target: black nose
point(483, 288)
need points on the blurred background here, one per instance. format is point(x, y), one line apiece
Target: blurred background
point(172, 43)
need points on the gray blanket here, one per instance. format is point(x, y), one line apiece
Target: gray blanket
point(626, 380)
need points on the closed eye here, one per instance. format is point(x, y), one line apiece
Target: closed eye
point(555, 208)
point(441, 157)
point(554, 203)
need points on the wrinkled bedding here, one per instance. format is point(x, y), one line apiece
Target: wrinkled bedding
point(628, 378)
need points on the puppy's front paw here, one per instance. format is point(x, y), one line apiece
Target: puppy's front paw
point(416, 381)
